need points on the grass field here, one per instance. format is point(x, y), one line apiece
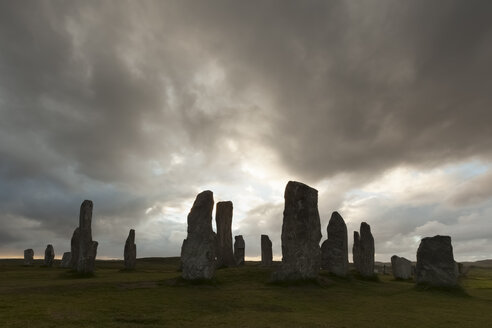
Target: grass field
point(154, 296)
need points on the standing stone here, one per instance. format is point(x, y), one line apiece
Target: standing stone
point(366, 251)
point(198, 250)
point(301, 233)
point(49, 255)
point(334, 250)
point(401, 267)
point(435, 262)
point(239, 246)
point(66, 258)
point(223, 219)
point(356, 251)
point(130, 252)
point(74, 249)
point(266, 250)
point(87, 247)
point(28, 256)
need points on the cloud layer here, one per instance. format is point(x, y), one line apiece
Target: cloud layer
point(383, 106)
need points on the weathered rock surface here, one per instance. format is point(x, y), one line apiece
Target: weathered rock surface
point(28, 256)
point(49, 255)
point(266, 250)
point(301, 233)
point(130, 251)
point(366, 265)
point(74, 249)
point(334, 250)
point(87, 247)
point(66, 258)
point(198, 250)
point(435, 262)
point(239, 247)
point(223, 219)
point(401, 267)
point(356, 251)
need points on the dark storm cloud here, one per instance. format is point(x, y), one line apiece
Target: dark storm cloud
point(100, 100)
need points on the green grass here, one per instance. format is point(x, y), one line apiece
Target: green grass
point(154, 296)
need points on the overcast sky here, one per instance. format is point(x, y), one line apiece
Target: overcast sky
point(385, 107)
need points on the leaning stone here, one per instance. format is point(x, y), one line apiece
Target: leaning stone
point(66, 258)
point(239, 246)
point(49, 255)
point(334, 250)
point(87, 247)
point(366, 266)
point(74, 249)
point(356, 251)
point(435, 262)
point(28, 256)
point(198, 250)
point(401, 267)
point(266, 250)
point(301, 233)
point(130, 251)
point(223, 219)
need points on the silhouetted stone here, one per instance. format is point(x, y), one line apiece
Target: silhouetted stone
point(198, 250)
point(366, 266)
point(401, 267)
point(435, 262)
point(334, 250)
point(223, 219)
point(266, 250)
point(87, 247)
point(49, 255)
point(28, 256)
point(356, 251)
point(130, 252)
point(65, 262)
point(74, 249)
point(301, 233)
point(239, 246)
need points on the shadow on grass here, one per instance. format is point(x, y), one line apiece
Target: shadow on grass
point(181, 282)
point(409, 280)
point(456, 291)
point(125, 270)
point(319, 282)
point(373, 278)
point(72, 274)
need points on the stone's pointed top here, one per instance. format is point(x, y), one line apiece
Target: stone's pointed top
point(293, 187)
point(365, 228)
point(131, 236)
point(225, 204)
point(336, 218)
point(438, 238)
point(204, 196)
point(87, 204)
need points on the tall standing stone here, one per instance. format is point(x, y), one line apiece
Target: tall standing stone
point(356, 251)
point(87, 247)
point(49, 255)
point(74, 249)
point(435, 262)
point(239, 246)
point(130, 251)
point(65, 261)
point(301, 233)
point(266, 250)
point(28, 256)
point(334, 250)
point(223, 219)
point(401, 267)
point(366, 267)
point(198, 250)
